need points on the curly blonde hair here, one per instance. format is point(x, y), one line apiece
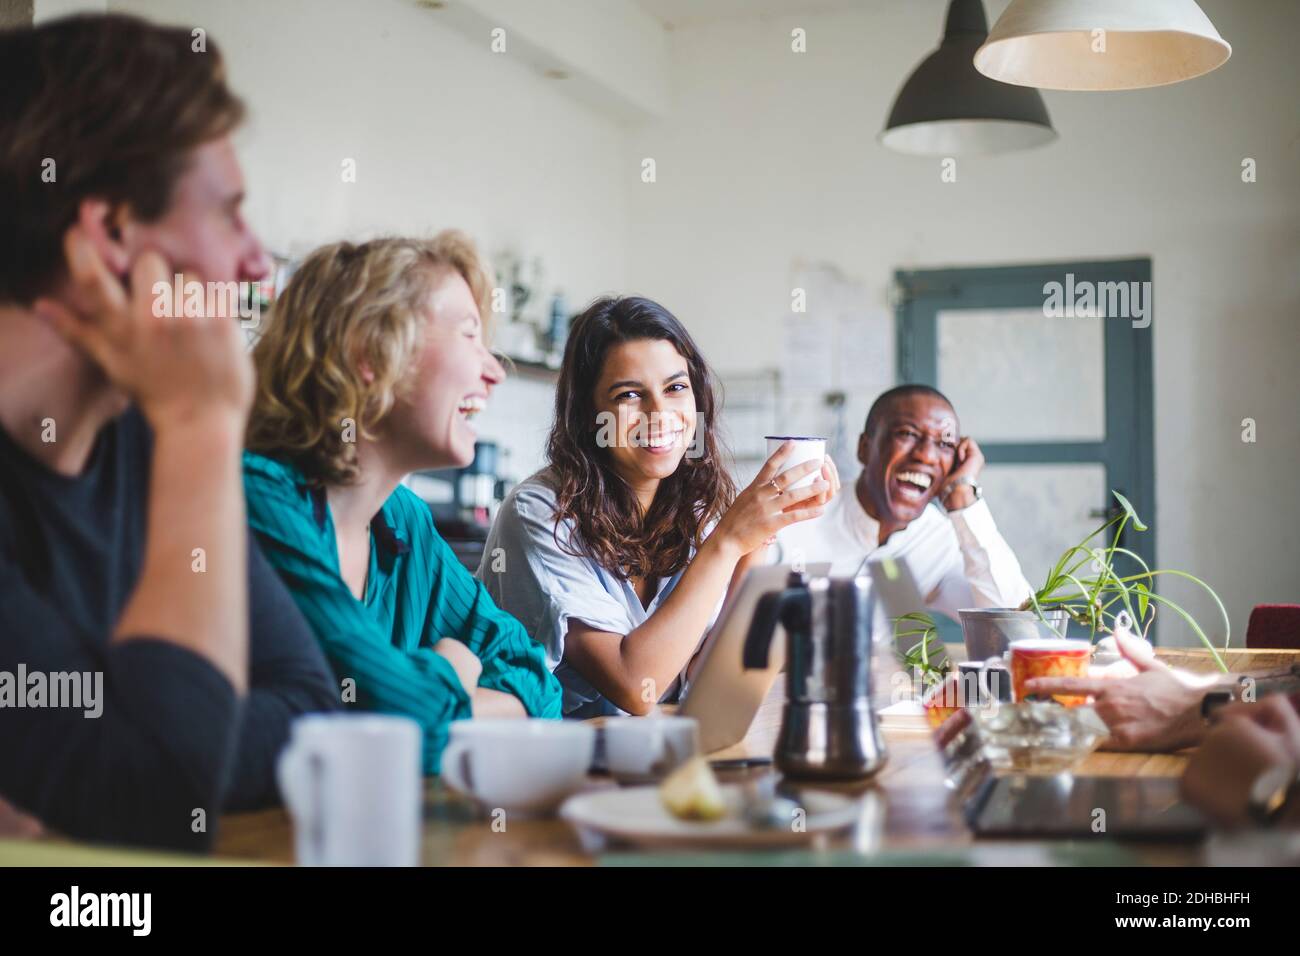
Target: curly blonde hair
point(347, 307)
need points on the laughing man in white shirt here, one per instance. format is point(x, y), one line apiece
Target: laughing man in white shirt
point(912, 460)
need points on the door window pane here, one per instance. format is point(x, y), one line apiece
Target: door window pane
point(1043, 509)
point(1015, 375)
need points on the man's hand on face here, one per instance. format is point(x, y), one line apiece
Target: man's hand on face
point(968, 462)
point(175, 368)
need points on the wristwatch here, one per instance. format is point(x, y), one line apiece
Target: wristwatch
point(952, 486)
point(1213, 700)
point(1271, 792)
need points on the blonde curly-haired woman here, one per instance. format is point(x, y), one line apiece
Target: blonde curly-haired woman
point(370, 368)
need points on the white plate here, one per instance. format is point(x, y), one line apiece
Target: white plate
point(637, 815)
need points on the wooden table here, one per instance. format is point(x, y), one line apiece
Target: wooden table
point(908, 815)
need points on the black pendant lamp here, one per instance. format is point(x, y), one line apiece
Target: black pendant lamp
point(948, 108)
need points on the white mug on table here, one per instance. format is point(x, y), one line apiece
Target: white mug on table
point(352, 783)
point(526, 767)
point(639, 749)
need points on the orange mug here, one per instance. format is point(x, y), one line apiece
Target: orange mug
point(1049, 657)
point(942, 701)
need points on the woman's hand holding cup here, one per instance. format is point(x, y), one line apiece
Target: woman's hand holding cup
point(831, 476)
point(771, 502)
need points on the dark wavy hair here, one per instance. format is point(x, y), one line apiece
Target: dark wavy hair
point(604, 510)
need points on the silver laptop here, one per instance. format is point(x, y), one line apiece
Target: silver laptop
point(724, 697)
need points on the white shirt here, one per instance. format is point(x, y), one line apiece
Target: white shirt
point(958, 558)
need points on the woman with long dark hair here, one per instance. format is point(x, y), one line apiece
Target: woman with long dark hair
point(617, 555)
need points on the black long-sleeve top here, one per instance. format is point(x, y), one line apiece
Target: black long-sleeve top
point(172, 737)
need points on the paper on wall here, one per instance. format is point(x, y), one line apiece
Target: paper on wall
point(842, 343)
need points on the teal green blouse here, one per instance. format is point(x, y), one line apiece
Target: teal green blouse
point(417, 592)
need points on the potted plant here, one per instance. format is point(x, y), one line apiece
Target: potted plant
point(1086, 587)
point(927, 661)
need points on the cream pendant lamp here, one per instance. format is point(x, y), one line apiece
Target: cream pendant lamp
point(1101, 44)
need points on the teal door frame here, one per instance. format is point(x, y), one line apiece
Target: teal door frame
point(1128, 452)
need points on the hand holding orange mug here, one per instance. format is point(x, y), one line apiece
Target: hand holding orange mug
point(1049, 657)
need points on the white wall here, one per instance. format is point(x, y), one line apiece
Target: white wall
point(767, 157)
point(444, 133)
point(612, 52)
point(770, 157)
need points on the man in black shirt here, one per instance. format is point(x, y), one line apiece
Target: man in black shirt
point(150, 660)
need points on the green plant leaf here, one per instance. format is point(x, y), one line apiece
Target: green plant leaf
point(1133, 515)
point(1144, 599)
point(917, 657)
point(1146, 568)
point(1102, 590)
point(1196, 628)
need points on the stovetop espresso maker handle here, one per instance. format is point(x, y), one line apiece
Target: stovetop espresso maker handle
point(791, 608)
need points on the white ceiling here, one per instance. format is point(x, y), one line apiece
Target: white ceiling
point(674, 13)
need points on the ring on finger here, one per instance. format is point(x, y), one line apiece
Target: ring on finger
point(775, 487)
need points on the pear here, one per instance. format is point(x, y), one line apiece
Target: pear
point(691, 792)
